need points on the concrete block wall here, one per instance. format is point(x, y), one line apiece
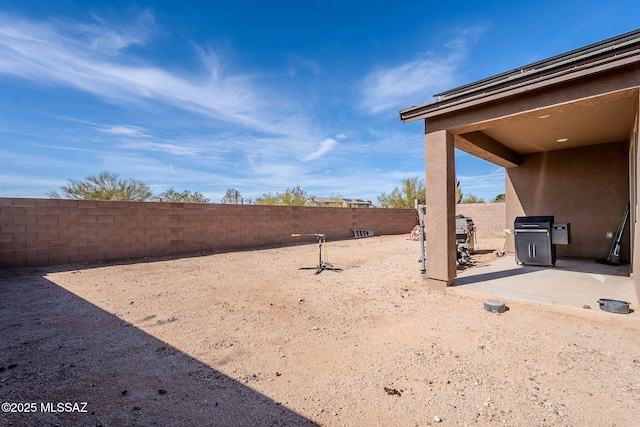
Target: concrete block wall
point(40, 232)
point(487, 217)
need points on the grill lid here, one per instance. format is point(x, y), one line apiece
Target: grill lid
point(533, 222)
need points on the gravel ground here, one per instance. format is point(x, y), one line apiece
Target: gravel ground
point(245, 338)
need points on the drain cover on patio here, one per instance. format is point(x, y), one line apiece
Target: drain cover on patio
point(494, 305)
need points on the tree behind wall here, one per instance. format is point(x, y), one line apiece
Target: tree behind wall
point(186, 196)
point(232, 197)
point(295, 196)
point(470, 198)
point(404, 196)
point(105, 186)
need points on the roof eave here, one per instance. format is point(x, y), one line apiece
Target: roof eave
point(449, 105)
point(555, 71)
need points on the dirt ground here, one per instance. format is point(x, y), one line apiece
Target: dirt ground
point(246, 338)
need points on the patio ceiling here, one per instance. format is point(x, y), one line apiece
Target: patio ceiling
point(560, 128)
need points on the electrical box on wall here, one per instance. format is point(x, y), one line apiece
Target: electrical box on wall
point(561, 234)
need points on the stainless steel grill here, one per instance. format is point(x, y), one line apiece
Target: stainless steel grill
point(533, 240)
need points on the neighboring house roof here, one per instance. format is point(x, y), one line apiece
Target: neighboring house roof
point(327, 200)
point(336, 200)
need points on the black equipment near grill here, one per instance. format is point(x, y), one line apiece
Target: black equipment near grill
point(534, 239)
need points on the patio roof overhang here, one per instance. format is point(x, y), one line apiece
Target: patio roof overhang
point(597, 58)
point(583, 97)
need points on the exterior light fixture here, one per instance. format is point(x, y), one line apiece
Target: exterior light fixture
point(543, 117)
point(562, 140)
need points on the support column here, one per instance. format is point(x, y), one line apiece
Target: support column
point(440, 228)
point(634, 201)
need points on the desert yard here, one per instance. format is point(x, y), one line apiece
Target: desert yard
point(245, 338)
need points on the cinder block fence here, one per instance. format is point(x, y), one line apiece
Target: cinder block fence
point(487, 217)
point(40, 232)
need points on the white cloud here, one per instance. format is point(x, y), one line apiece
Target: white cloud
point(105, 37)
point(124, 130)
point(390, 88)
point(173, 149)
point(16, 185)
point(272, 135)
point(137, 138)
point(91, 58)
point(254, 119)
point(326, 145)
point(298, 64)
point(416, 81)
point(489, 181)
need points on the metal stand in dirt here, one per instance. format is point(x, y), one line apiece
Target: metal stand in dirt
point(423, 257)
point(504, 246)
point(322, 264)
point(614, 253)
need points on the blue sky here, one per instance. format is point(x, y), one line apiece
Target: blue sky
point(258, 96)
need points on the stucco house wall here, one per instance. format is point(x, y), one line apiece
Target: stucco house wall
point(586, 186)
point(586, 98)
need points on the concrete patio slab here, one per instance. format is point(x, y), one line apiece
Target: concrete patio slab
point(571, 283)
